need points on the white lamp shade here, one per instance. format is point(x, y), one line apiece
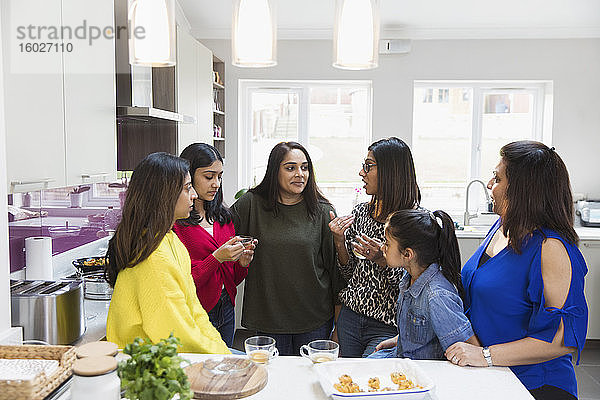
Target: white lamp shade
point(254, 34)
point(356, 34)
point(152, 40)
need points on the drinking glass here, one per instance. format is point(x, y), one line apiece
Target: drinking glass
point(261, 349)
point(319, 351)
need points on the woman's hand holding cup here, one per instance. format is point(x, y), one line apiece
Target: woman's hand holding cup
point(370, 249)
point(231, 250)
point(248, 252)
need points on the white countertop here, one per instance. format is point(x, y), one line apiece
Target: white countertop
point(50, 221)
point(294, 378)
point(480, 231)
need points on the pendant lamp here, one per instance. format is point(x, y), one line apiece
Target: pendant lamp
point(356, 34)
point(254, 34)
point(152, 33)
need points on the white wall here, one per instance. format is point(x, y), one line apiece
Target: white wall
point(573, 65)
point(4, 262)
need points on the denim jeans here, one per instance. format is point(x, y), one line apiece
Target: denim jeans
point(222, 316)
point(289, 344)
point(359, 335)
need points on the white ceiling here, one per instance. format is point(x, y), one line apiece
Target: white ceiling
point(417, 19)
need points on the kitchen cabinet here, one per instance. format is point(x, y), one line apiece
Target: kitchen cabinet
point(467, 247)
point(33, 84)
point(89, 97)
point(60, 108)
point(591, 252)
point(194, 85)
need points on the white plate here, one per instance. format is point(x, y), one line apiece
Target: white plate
point(362, 370)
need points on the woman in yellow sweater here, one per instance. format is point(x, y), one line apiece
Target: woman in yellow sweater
point(150, 269)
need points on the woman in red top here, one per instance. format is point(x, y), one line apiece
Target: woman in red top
point(219, 259)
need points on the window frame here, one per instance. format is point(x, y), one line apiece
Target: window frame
point(246, 87)
point(542, 109)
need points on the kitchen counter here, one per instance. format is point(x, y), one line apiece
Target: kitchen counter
point(96, 312)
point(294, 378)
point(480, 231)
point(50, 221)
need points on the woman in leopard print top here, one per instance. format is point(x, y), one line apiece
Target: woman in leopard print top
point(368, 313)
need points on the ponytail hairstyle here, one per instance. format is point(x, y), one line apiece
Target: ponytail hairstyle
point(432, 238)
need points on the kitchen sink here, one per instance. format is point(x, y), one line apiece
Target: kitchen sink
point(484, 219)
point(476, 228)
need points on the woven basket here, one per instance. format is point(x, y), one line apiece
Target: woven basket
point(42, 385)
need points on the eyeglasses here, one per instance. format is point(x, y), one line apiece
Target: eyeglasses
point(367, 167)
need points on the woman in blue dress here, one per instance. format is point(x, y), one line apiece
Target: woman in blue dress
point(524, 285)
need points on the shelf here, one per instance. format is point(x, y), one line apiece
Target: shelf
point(219, 101)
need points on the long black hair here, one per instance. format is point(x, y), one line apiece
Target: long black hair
point(421, 231)
point(396, 178)
point(268, 188)
point(538, 193)
point(202, 155)
point(148, 211)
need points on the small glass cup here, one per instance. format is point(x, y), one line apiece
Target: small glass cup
point(261, 349)
point(319, 351)
point(356, 253)
point(246, 240)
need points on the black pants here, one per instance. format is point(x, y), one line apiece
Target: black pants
point(548, 392)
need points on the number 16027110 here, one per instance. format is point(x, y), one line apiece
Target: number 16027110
point(45, 47)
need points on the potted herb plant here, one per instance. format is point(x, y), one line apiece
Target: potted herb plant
point(154, 371)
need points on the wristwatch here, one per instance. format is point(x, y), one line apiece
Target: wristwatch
point(487, 355)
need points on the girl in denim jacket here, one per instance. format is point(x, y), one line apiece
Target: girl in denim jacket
point(430, 312)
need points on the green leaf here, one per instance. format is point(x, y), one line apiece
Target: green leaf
point(154, 370)
point(240, 193)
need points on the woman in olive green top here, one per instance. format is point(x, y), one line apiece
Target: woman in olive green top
point(292, 284)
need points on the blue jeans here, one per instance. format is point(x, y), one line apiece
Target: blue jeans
point(289, 344)
point(359, 335)
point(222, 316)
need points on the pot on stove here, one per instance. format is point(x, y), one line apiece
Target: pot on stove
point(91, 271)
point(95, 287)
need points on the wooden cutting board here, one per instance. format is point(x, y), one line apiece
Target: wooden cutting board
point(207, 385)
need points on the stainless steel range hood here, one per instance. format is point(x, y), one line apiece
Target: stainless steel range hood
point(153, 113)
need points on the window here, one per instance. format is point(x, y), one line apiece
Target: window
point(459, 138)
point(331, 119)
point(427, 95)
point(443, 95)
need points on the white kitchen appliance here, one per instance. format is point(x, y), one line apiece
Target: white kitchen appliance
point(589, 212)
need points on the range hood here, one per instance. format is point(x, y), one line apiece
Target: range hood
point(141, 112)
point(143, 93)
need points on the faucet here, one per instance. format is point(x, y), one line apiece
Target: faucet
point(468, 215)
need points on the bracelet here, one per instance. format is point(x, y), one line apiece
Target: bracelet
point(487, 355)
